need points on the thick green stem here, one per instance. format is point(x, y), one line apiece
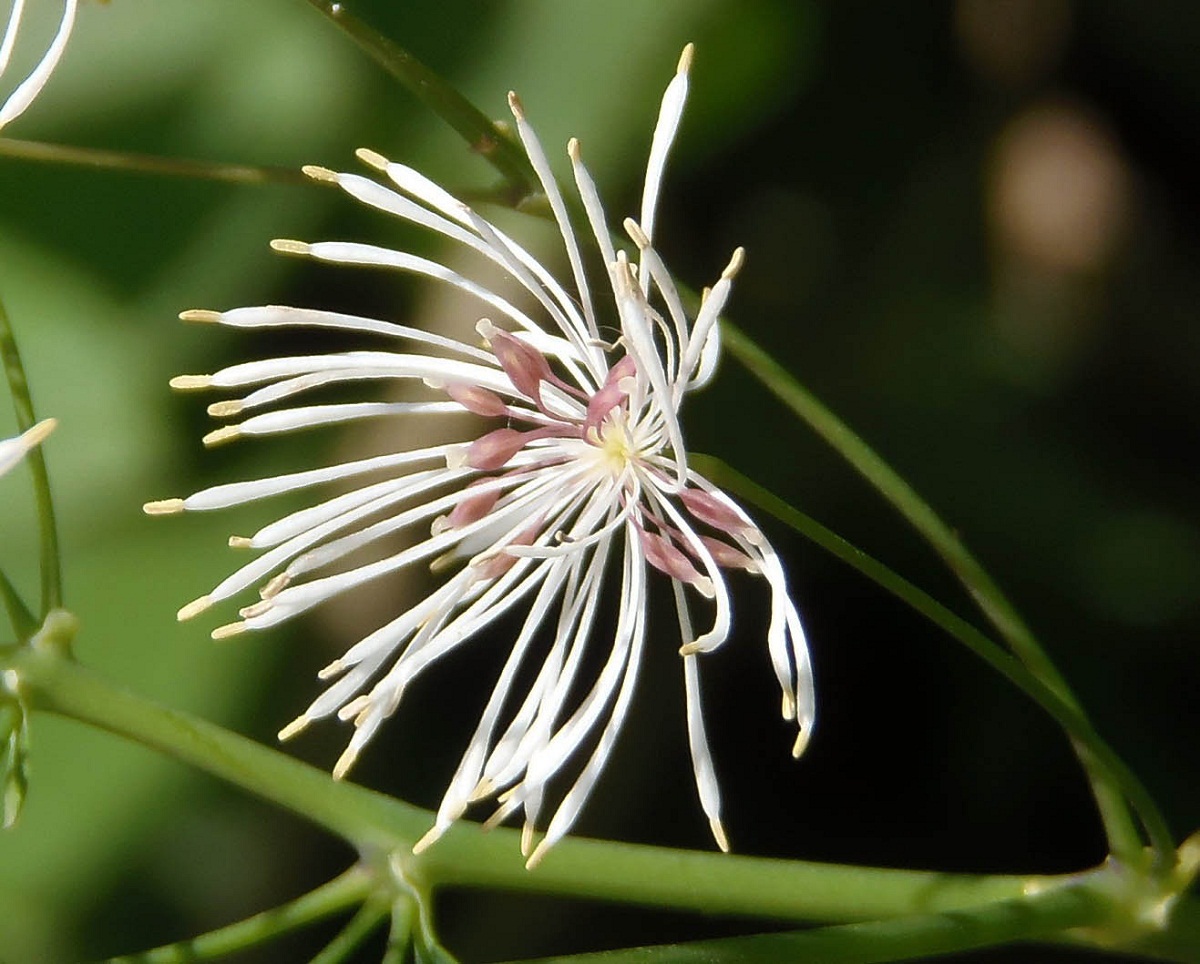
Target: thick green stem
point(18, 385)
point(147, 163)
point(1123, 838)
point(468, 857)
point(352, 887)
point(893, 940)
point(484, 137)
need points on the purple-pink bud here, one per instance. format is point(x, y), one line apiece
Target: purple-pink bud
point(494, 449)
point(476, 400)
point(708, 508)
point(666, 557)
point(525, 366)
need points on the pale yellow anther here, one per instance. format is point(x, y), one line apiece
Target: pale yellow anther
point(318, 173)
point(801, 743)
point(514, 104)
point(689, 649)
point(287, 246)
point(483, 789)
point(685, 59)
point(277, 585)
point(735, 264)
point(431, 836)
point(189, 383)
point(527, 840)
point(486, 329)
point(296, 727)
point(259, 608)
point(789, 707)
point(201, 316)
point(344, 763)
point(573, 150)
point(635, 232)
point(225, 409)
point(225, 632)
point(328, 672)
point(496, 818)
point(536, 857)
point(241, 542)
point(354, 707)
point(38, 433)
point(372, 159)
point(164, 507)
point(194, 608)
point(718, 832)
point(221, 435)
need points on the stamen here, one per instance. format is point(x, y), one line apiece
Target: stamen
point(201, 316)
point(194, 608)
point(188, 383)
point(221, 435)
point(296, 727)
point(225, 632)
point(372, 159)
point(164, 507)
point(322, 174)
point(285, 246)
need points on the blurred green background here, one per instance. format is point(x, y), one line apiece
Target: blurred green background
point(971, 228)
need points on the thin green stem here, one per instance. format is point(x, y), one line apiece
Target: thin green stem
point(1095, 752)
point(332, 898)
point(24, 623)
point(147, 163)
point(18, 385)
point(1124, 840)
point(348, 940)
point(468, 857)
point(476, 128)
point(902, 939)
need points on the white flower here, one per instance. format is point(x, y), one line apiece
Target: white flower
point(12, 450)
point(585, 481)
point(25, 92)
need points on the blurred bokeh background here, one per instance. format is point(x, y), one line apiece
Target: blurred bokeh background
point(971, 229)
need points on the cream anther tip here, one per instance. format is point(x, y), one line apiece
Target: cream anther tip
point(188, 383)
point(296, 727)
point(686, 58)
point(372, 159)
point(288, 246)
point(735, 264)
point(719, 835)
point(225, 632)
point(164, 507)
point(318, 173)
point(344, 763)
point(429, 838)
point(194, 608)
point(221, 435)
point(225, 409)
point(514, 104)
point(573, 149)
point(801, 743)
point(201, 316)
point(635, 232)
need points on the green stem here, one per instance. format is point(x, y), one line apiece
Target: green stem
point(1123, 838)
point(892, 940)
point(369, 917)
point(1096, 754)
point(147, 163)
point(18, 385)
point(468, 857)
point(476, 128)
point(349, 889)
point(24, 623)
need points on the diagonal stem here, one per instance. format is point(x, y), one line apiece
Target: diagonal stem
point(352, 887)
point(1094, 751)
point(18, 385)
point(133, 162)
point(484, 136)
point(1123, 838)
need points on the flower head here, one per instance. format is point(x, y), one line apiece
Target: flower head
point(26, 91)
point(582, 480)
point(12, 450)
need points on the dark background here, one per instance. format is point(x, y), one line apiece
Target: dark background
point(971, 230)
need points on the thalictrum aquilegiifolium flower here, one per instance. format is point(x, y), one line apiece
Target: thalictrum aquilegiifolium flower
point(581, 481)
